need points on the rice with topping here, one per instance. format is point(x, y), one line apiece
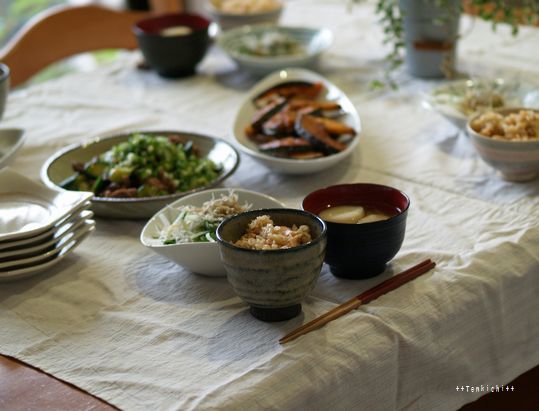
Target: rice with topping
point(262, 234)
point(521, 126)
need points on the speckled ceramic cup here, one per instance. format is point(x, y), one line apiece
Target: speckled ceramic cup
point(4, 87)
point(273, 282)
point(516, 161)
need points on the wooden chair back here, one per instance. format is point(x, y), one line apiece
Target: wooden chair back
point(64, 31)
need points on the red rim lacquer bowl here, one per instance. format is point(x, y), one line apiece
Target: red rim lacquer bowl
point(175, 55)
point(360, 251)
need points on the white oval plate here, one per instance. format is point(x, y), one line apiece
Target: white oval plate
point(11, 140)
point(28, 208)
point(287, 165)
point(200, 258)
point(24, 272)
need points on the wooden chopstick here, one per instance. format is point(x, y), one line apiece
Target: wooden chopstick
point(363, 298)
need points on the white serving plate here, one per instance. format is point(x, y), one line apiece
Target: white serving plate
point(59, 167)
point(28, 208)
point(200, 258)
point(447, 98)
point(22, 272)
point(34, 249)
point(287, 165)
point(79, 213)
point(313, 41)
point(11, 264)
point(11, 140)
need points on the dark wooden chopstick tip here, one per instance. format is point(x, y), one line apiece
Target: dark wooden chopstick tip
point(363, 298)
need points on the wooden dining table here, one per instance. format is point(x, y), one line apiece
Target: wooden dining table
point(114, 325)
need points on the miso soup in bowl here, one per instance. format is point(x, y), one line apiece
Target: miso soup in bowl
point(365, 226)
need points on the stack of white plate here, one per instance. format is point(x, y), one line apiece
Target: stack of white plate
point(39, 226)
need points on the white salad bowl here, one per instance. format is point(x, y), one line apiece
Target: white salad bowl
point(201, 257)
point(311, 44)
point(287, 165)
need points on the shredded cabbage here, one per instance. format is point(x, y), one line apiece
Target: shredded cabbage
point(198, 224)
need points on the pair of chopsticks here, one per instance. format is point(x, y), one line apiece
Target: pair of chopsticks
point(363, 298)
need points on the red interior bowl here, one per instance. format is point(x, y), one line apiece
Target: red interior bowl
point(361, 250)
point(154, 25)
point(173, 56)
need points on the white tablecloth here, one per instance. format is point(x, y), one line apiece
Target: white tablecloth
point(142, 333)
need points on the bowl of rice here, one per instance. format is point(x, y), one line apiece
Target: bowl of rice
point(508, 140)
point(235, 13)
point(184, 231)
point(273, 259)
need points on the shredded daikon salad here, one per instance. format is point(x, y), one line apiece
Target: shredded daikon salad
point(198, 224)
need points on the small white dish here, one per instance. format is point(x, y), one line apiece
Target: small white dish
point(34, 249)
point(456, 100)
point(11, 140)
point(287, 165)
point(22, 272)
point(28, 208)
point(311, 43)
point(200, 258)
point(11, 264)
point(78, 213)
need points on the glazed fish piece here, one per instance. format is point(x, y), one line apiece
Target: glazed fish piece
point(289, 90)
point(309, 128)
point(286, 145)
point(266, 112)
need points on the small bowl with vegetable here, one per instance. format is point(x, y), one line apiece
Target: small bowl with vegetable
point(460, 100)
point(134, 175)
point(184, 231)
point(261, 49)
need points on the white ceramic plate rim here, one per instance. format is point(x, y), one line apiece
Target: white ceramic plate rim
point(146, 240)
point(73, 198)
point(77, 214)
point(325, 35)
point(6, 157)
point(27, 271)
point(60, 234)
point(123, 200)
point(87, 226)
point(291, 75)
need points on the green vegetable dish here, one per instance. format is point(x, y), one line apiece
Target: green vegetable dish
point(144, 166)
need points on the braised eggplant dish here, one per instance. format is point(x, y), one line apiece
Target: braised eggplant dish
point(144, 166)
point(292, 121)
